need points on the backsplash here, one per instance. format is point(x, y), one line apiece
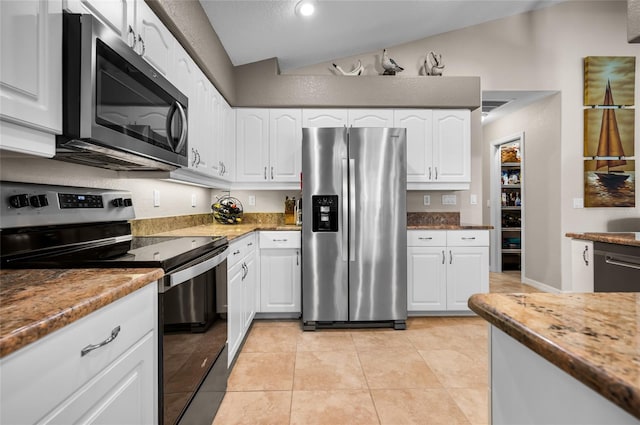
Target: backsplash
point(433, 218)
point(150, 226)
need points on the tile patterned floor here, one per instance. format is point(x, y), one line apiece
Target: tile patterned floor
point(435, 372)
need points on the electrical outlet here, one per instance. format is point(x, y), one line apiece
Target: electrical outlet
point(156, 198)
point(193, 200)
point(427, 200)
point(473, 199)
point(578, 202)
point(449, 200)
point(252, 200)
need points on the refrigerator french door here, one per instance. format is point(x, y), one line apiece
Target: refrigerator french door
point(354, 234)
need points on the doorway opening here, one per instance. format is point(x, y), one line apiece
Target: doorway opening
point(507, 202)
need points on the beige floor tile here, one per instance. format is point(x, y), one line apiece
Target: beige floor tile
point(384, 340)
point(459, 337)
point(414, 323)
point(397, 369)
point(417, 406)
point(347, 407)
point(328, 370)
point(262, 371)
point(456, 369)
point(474, 403)
point(254, 408)
point(325, 341)
point(271, 339)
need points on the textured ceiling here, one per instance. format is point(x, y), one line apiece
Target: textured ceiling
point(255, 30)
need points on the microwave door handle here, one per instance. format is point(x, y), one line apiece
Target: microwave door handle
point(183, 134)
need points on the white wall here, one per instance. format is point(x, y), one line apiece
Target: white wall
point(540, 50)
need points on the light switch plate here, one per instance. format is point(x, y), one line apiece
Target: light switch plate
point(578, 202)
point(252, 200)
point(473, 199)
point(156, 198)
point(449, 200)
point(193, 200)
point(426, 200)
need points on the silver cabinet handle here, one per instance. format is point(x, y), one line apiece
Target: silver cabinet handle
point(193, 161)
point(131, 38)
point(612, 261)
point(584, 255)
point(436, 173)
point(250, 243)
point(469, 239)
point(144, 48)
point(429, 173)
point(280, 240)
point(450, 257)
point(443, 257)
point(425, 239)
point(297, 258)
point(89, 348)
point(236, 252)
point(271, 173)
point(265, 173)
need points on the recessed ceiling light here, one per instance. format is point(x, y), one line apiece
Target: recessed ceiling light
point(305, 7)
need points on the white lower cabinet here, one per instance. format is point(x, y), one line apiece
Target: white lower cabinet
point(445, 268)
point(280, 272)
point(581, 265)
point(242, 275)
point(49, 381)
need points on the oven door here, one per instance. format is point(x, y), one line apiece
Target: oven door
point(193, 335)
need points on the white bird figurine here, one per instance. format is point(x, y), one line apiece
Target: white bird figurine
point(390, 66)
point(433, 65)
point(357, 70)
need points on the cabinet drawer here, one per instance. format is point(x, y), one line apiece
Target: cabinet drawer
point(52, 368)
point(468, 238)
point(279, 240)
point(239, 248)
point(426, 238)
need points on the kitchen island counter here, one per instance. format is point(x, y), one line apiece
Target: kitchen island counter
point(34, 303)
point(594, 337)
point(621, 238)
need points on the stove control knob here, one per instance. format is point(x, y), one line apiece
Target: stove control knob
point(117, 202)
point(39, 201)
point(19, 201)
point(128, 202)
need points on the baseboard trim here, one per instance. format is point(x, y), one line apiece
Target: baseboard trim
point(541, 286)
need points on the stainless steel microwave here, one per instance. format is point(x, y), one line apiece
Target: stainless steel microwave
point(118, 111)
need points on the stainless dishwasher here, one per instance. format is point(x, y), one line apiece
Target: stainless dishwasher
point(616, 268)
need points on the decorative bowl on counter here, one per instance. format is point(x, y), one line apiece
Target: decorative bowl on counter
point(227, 210)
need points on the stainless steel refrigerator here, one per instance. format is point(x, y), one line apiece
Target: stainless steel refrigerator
point(354, 227)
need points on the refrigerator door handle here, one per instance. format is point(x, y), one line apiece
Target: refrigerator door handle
point(352, 209)
point(345, 209)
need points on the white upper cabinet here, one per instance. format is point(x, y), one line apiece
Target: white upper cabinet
point(252, 145)
point(119, 15)
point(324, 117)
point(268, 145)
point(285, 145)
point(370, 118)
point(30, 76)
point(419, 124)
point(452, 145)
point(227, 147)
point(154, 42)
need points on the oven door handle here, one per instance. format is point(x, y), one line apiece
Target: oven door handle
point(189, 273)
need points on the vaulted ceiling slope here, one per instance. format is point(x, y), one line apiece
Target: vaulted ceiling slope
point(251, 31)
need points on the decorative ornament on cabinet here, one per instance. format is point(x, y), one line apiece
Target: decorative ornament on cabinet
point(355, 71)
point(433, 64)
point(389, 65)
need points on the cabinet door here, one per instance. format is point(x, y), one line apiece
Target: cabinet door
point(467, 274)
point(581, 265)
point(285, 145)
point(200, 122)
point(370, 118)
point(280, 281)
point(324, 118)
point(155, 41)
point(419, 124)
point(235, 309)
point(249, 288)
point(31, 74)
point(252, 149)
point(452, 145)
point(426, 279)
point(214, 141)
point(228, 142)
point(118, 15)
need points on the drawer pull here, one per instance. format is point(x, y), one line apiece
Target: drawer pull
point(280, 240)
point(236, 252)
point(473, 238)
point(250, 243)
point(89, 348)
point(584, 255)
point(425, 239)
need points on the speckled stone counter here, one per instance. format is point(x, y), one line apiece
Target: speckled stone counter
point(623, 238)
point(34, 303)
point(594, 337)
point(449, 227)
point(231, 231)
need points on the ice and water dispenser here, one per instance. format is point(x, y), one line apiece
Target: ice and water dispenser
point(325, 213)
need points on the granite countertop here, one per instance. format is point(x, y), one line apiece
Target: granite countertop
point(449, 227)
point(621, 238)
point(34, 303)
point(593, 337)
point(231, 231)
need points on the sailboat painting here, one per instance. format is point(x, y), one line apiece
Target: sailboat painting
point(609, 185)
point(619, 72)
